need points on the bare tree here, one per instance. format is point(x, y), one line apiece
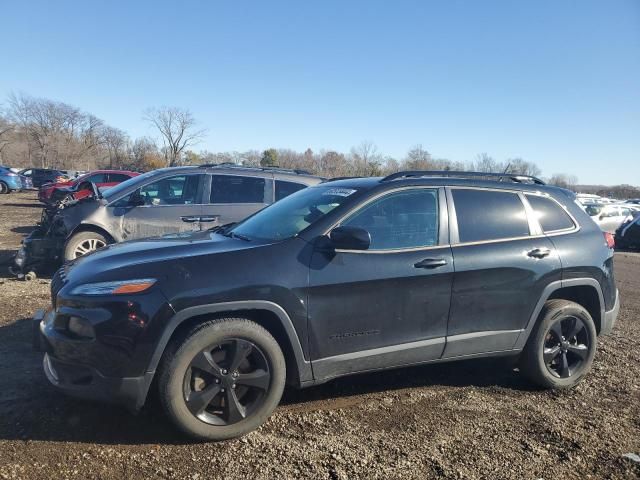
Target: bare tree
point(6, 128)
point(177, 128)
point(563, 180)
point(418, 158)
point(365, 159)
point(115, 140)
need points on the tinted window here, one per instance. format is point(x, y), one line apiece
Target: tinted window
point(237, 189)
point(550, 215)
point(284, 189)
point(406, 219)
point(118, 177)
point(488, 215)
point(178, 190)
point(96, 178)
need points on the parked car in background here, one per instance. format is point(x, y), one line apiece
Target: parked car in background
point(628, 234)
point(348, 276)
point(12, 181)
point(633, 201)
point(40, 176)
point(79, 187)
point(168, 200)
point(610, 216)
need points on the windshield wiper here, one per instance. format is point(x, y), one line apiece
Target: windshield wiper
point(232, 234)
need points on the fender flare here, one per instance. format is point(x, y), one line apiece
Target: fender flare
point(304, 366)
point(547, 292)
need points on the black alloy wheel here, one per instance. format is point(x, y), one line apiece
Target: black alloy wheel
point(227, 382)
point(566, 346)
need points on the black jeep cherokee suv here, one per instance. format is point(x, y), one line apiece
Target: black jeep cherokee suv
point(347, 276)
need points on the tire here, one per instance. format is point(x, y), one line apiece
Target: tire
point(554, 357)
point(83, 241)
point(4, 188)
point(181, 379)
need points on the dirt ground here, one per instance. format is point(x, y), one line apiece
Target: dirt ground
point(473, 419)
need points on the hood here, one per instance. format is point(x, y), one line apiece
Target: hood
point(155, 250)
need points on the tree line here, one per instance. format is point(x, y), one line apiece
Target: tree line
point(39, 132)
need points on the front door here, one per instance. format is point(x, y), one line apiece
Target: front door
point(171, 205)
point(502, 267)
point(388, 305)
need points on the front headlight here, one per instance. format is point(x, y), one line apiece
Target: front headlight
point(122, 287)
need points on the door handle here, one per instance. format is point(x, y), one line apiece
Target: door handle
point(210, 218)
point(539, 252)
point(430, 263)
point(190, 219)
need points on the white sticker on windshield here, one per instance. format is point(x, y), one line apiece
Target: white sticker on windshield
point(340, 192)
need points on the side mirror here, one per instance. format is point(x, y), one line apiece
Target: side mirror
point(350, 238)
point(136, 200)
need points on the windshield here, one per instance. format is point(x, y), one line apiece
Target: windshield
point(289, 216)
point(593, 210)
point(114, 192)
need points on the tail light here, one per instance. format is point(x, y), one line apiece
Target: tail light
point(609, 239)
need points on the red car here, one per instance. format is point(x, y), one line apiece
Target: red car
point(53, 192)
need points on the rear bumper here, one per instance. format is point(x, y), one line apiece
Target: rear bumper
point(610, 317)
point(86, 382)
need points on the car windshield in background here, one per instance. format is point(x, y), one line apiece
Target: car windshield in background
point(114, 192)
point(593, 210)
point(289, 216)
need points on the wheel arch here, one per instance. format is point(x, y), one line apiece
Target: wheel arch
point(91, 227)
point(586, 292)
point(269, 315)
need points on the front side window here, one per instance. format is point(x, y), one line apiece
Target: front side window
point(485, 215)
point(284, 189)
point(237, 189)
point(178, 190)
point(407, 219)
point(551, 216)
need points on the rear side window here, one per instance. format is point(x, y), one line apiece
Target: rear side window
point(551, 216)
point(237, 189)
point(284, 189)
point(489, 215)
point(97, 178)
point(118, 177)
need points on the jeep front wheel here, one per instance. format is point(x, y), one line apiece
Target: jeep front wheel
point(222, 379)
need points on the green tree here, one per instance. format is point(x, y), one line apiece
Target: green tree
point(269, 158)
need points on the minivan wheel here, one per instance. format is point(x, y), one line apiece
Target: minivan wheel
point(222, 379)
point(83, 243)
point(561, 347)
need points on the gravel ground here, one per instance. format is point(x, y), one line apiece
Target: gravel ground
point(474, 419)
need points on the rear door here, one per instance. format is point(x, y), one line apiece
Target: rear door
point(503, 262)
point(233, 197)
point(171, 204)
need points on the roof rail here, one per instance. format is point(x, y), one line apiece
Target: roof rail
point(500, 177)
point(335, 179)
point(251, 167)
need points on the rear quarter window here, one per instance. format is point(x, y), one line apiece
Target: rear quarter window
point(485, 215)
point(551, 216)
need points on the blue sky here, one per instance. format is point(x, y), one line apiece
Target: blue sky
point(554, 82)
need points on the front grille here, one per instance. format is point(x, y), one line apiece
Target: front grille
point(57, 282)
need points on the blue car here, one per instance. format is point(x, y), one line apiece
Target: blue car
point(10, 181)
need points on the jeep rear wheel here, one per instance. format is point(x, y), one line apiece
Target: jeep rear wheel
point(83, 243)
point(222, 379)
point(562, 345)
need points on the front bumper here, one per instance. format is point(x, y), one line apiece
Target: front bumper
point(82, 381)
point(38, 248)
point(610, 317)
